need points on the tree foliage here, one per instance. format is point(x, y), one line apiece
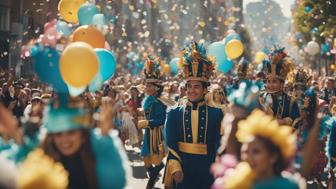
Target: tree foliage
point(315, 19)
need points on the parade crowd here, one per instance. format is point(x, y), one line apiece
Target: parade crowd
point(269, 128)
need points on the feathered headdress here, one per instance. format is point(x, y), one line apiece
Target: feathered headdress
point(299, 77)
point(196, 64)
point(263, 125)
point(278, 65)
point(152, 69)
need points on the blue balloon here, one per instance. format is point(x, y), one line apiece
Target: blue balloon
point(96, 83)
point(173, 65)
point(46, 66)
point(231, 36)
point(62, 27)
point(107, 63)
point(217, 49)
point(86, 13)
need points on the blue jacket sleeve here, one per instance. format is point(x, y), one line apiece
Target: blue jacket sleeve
point(171, 136)
point(158, 115)
point(111, 168)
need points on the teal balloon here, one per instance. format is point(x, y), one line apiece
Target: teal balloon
point(96, 83)
point(107, 63)
point(99, 20)
point(86, 13)
point(173, 65)
point(217, 49)
point(46, 66)
point(231, 36)
point(63, 28)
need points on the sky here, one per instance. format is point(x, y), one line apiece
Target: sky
point(284, 4)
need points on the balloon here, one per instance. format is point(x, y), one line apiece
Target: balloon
point(166, 69)
point(313, 48)
point(96, 83)
point(98, 20)
point(90, 35)
point(107, 63)
point(86, 12)
point(234, 49)
point(68, 9)
point(260, 56)
point(63, 28)
point(79, 64)
point(230, 37)
point(46, 66)
point(217, 49)
point(49, 25)
point(173, 65)
point(74, 91)
point(226, 66)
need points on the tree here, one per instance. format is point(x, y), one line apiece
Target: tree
point(315, 19)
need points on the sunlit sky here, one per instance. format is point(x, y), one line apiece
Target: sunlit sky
point(284, 4)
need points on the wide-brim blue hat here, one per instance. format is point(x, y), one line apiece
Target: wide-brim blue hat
point(65, 117)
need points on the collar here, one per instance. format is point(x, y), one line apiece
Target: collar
point(196, 104)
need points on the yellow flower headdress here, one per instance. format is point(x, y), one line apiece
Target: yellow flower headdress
point(40, 171)
point(260, 124)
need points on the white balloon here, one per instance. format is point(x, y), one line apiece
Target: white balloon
point(313, 48)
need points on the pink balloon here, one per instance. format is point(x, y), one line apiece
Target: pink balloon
point(50, 24)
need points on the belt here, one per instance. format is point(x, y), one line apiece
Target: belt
point(190, 148)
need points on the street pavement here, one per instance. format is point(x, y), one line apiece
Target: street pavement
point(139, 176)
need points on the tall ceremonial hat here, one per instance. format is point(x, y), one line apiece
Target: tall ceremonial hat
point(196, 64)
point(152, 69)
point(279, 64)
point(299, 77)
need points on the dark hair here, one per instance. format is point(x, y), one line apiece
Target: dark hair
point(85, 153)
point(159, 92)
point(204, 84)
point(280, 163)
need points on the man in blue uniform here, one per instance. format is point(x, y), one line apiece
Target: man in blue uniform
point(193, 128)
point(275, 100)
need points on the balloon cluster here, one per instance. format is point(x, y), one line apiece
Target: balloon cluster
point(225, 51)
point(72, 54)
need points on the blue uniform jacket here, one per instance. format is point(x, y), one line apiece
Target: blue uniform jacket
point(194, 163)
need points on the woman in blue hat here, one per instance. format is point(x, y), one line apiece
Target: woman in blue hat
point(93, 158)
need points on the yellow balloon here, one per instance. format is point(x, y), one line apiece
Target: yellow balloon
point(166, 69)
point(90, 35)
point(259, 57)
point(234, 49)
point(78, 64)
point(68, 9)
